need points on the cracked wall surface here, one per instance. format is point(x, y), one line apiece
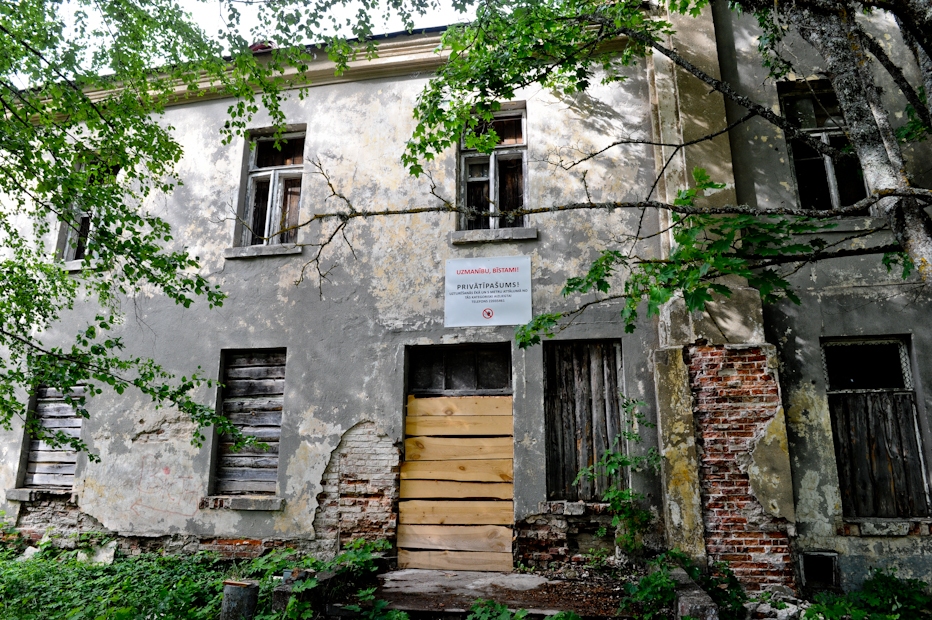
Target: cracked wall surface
point(346, 336)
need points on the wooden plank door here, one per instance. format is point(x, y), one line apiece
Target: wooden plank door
point(456, 508)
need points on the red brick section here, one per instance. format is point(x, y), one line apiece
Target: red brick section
point(735, 395)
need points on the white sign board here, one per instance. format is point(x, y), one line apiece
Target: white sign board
point(487, 291)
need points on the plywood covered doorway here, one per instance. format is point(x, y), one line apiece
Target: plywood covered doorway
point(456, 507)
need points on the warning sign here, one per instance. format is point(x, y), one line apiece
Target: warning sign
point(488, 291)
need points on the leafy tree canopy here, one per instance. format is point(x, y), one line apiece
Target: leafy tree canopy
point(83, 84)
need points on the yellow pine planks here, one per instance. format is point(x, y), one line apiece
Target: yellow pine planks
point(460, 405)
point(456, 448)
point(477, 470)
point(446, 489)
point(495, 538)
point(459, 425)
point(455, 560)
point(430, 512)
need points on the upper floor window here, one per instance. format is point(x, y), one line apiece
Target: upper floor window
point(273, 194)
point(494, 184)
point(76, 232)
point(823, 183)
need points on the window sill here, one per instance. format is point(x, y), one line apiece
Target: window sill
point(241, 502)
point(256, 251)
point(74, 266)
point(462, 237)
point(919, 526)
point(36, 494)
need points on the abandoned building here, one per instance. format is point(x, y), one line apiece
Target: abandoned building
point(796, 440)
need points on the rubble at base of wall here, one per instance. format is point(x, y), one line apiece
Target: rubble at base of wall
point(564, 533)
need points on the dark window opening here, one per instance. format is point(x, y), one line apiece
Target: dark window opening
point(820, 571)
point(493, 183)
point(460, 369)
point(582, 414)
point(878, 446)
point(823, 182)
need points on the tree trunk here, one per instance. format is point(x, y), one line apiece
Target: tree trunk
point(868, 127)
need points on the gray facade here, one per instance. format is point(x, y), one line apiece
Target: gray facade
point(348, 338)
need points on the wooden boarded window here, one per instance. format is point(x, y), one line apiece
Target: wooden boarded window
point(48, 466)
point(878, 445)
point(582, 413)
point(253, 392)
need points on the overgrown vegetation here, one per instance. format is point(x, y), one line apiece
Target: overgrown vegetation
point(56, 584)
point(653, 596)
point(629, 518)
point(884, 596)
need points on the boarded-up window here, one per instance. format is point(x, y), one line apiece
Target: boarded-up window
point(49, 466)
point(459, 370)
point(254, 386)
point(582, 413)
point(878, 445)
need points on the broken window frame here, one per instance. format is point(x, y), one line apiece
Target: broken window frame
point(74, 234)
point(849, 507)
point(268, 232)
point(834, 127)
point(501, 153)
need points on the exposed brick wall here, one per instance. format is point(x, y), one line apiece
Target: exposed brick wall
point(360, 490)
point(564, 532)
point(735, 395)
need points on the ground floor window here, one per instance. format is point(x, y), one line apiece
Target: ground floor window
point(875, 428)
point(582, 413)
point(252, 398)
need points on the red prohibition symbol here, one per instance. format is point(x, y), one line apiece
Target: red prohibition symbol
point(487, 313)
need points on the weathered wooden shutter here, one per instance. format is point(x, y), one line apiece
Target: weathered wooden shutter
point(47, 466)
point(877, 450)
point(874, 429)
point(582, 413)
point(254, 386)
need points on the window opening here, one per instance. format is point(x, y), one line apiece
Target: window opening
point(50, 466)
point(459, 370)
point(274, 192)
point(823, 183)
point(875, 428)
point(494, 183)
point(820, 571)
point(582, 414)
point(253, 397)
point(77, 232)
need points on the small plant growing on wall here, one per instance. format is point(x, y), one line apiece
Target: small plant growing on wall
point(629, 518)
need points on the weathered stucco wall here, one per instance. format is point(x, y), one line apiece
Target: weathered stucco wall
point(840, 298)
point(346, 339)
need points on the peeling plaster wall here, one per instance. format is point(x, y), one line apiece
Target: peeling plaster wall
point(854, 297)
point(346, 338)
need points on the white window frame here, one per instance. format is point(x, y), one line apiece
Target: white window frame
point(270, 234)
point(825, 135)
point(500, 153)
point(72, 237)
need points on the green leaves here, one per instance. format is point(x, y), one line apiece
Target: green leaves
point(560, 44)
point(706, 248)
